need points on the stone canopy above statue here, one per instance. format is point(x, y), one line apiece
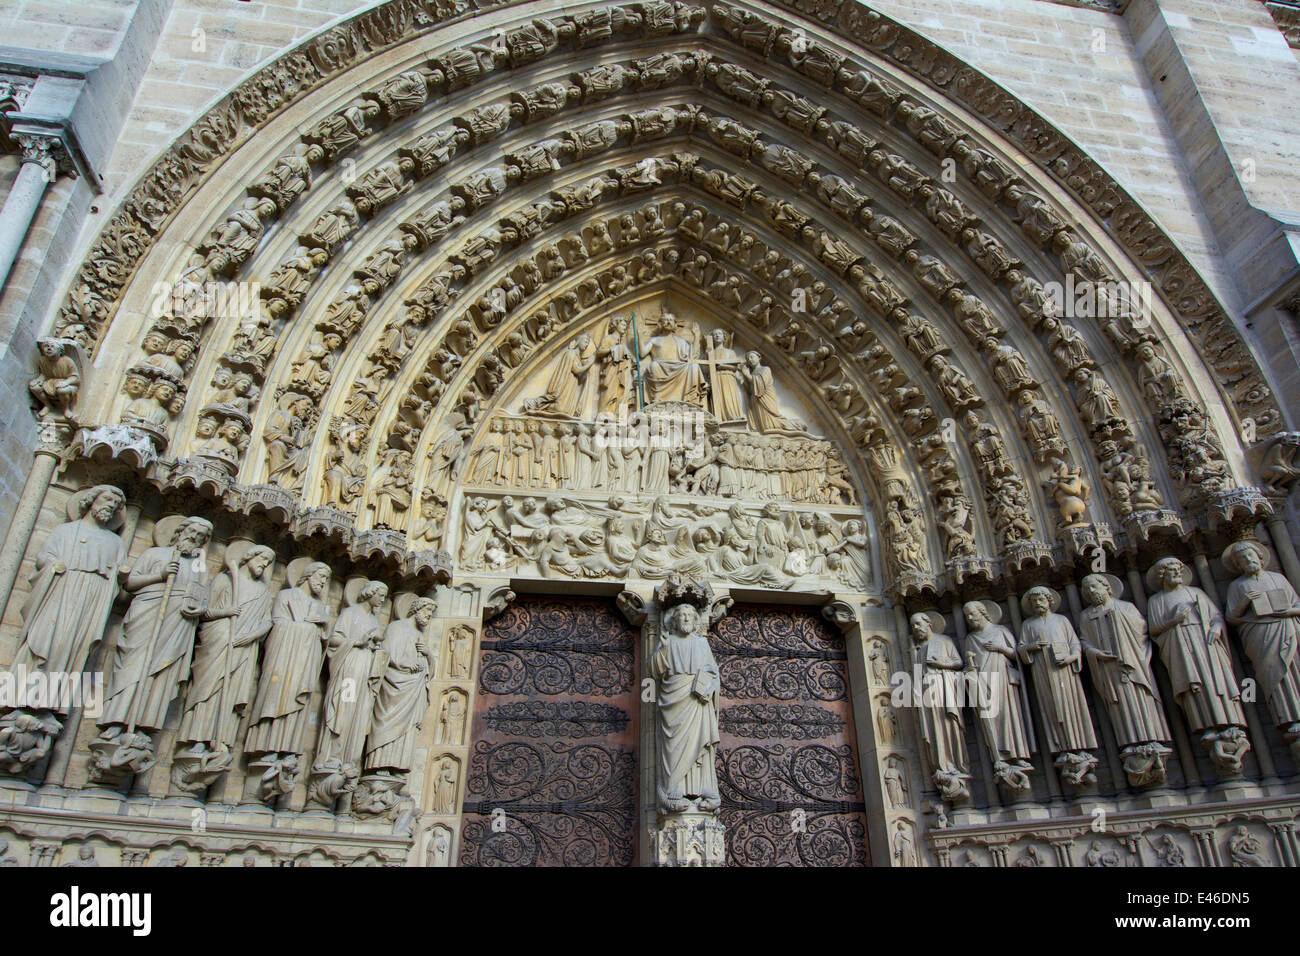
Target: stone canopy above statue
point(654, 399)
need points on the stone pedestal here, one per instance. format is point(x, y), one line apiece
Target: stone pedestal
point(689, 839)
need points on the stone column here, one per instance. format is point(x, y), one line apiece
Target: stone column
point(1284, 547)
point(38, 169)
point(50, 445)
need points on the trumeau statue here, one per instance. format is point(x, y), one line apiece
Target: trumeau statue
point(1264, 607)
point(170, 586)
point(1049, 645)
point(942, 728)
point(350, 694)
point(225, 663)
point(687, 681)
point(1189, 630)
point(1114, 637)
point(279, 719)
point(991, 653)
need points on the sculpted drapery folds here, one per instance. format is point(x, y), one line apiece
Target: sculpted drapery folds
point(686, 711)
point(599, 376)
point(350, 693)
point(170, 588)
point(670, 366)
point(991, 654)
point(64, 615)
point(74, 584)
point(1264, 607)
point(225, 661)
point(942, 727)
point(1049, 645)
point(279, 718)
point(1189, 630)
point(1114, 637)
point(403, 691)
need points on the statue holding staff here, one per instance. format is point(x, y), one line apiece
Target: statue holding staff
point(169, 585)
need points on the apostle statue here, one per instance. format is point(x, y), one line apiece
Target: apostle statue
point(1049, 645)
point(74, 586)
point(1114, 636)
point(403, 694)
point(279, 718)
point(943, 730)
point(225, 665)
point(169, 584)
point(350, 694)
point(687, 679)
point(669, 369)
point(1189, 630)
point(1264, 607)
point(991, 653)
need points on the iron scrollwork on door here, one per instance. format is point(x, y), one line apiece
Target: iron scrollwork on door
point(787, 767)
point(553, 769)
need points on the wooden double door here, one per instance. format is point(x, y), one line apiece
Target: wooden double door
point(554, 777)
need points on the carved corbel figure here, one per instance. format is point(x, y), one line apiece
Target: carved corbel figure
point(55, 388)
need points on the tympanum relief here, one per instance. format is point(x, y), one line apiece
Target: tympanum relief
point(659, 444)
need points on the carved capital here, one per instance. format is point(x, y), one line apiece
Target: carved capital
point(44, 149)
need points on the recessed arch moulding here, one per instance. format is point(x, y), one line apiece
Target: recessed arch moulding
point(370, 305)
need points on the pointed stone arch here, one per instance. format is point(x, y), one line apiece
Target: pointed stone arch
point(387, 181)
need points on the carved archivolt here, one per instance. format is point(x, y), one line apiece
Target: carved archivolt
point(397, 324)
point(845, 216)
